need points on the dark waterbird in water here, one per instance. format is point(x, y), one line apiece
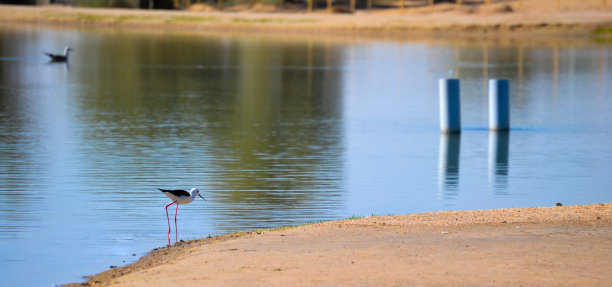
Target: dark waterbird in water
point(179, 196)
point(58, 57)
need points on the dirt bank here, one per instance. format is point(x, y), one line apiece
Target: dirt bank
point(446, 19)
point(554, 246)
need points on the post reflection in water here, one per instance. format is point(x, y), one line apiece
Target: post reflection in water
point(499, 143)
point(448, 164)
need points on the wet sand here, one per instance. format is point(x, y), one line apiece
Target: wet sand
point(501, 19)
point(550, 246)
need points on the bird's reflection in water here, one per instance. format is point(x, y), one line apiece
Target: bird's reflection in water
point(65, 65)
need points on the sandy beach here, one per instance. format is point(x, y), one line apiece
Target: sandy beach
point(548, 246)
point(575, 17)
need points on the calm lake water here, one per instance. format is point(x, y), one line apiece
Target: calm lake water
point(276, 131)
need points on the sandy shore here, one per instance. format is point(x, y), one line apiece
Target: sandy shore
point(550, 246)
point(501, 18)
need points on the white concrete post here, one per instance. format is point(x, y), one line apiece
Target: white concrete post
point(499, 106)
point(450, 115)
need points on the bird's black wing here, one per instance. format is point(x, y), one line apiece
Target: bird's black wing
point(176, 192)
point(57, 58)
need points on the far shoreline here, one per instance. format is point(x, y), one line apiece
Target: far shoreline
point(391, 23)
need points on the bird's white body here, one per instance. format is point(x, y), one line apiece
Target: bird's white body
point(67, 51)
point(183, 198)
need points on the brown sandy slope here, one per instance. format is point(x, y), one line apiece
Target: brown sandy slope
point(504, 18)
point(556, 246)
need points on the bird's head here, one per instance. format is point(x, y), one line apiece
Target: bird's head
point(196, 192)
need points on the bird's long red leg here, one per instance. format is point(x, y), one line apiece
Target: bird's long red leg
point(168, 216)
point(175, 226)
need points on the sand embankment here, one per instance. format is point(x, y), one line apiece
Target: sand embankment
point(445, 19)
point(554, 246)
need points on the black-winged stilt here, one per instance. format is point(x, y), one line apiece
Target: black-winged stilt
point(59, 57)
point(179, 196)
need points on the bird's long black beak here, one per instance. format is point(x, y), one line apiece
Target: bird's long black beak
point(202, 197)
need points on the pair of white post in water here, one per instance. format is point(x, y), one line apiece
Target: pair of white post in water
point(450, 115)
